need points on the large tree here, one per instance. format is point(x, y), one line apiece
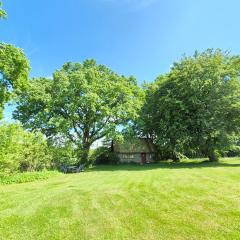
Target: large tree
point(195, 106)
point(14, 69)
point(82, 103)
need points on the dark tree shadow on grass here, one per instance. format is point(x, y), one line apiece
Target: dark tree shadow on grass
point(165, 165)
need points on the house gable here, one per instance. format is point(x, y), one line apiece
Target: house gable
point(132, 150)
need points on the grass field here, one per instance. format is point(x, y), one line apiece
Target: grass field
point(164, 201)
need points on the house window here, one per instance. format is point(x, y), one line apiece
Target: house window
point(126, 156)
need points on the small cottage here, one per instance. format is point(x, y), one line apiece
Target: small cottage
point(140, 150)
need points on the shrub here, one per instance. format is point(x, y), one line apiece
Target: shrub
point(21, 150)
point(36, 154)
point(103, 155)
point(26, 177)
point(234, 151)
point(64, 155)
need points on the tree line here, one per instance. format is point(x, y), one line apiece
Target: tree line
point(193, 110)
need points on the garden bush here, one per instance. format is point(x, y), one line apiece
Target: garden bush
point(234, 151)
point(103, 155)
point(62, 155)
point(26, 177)
point(21, 150)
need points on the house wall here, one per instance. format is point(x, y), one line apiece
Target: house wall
point(134, 157)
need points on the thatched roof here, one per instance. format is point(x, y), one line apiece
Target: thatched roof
point(134, 146)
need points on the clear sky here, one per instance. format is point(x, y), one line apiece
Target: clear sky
point(133, 37)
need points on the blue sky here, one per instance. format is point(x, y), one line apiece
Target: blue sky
point(133, 37)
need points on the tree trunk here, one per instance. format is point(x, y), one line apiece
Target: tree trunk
point(210, 150)
point(84, 154)
point(174, 156)
point(213, 156)
point(85, 148)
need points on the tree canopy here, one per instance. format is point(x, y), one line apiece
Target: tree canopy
point(3, 14)
point(196, 106)
point(82, 103)
point(14, 69)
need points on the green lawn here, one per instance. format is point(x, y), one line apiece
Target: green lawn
point(164, 201)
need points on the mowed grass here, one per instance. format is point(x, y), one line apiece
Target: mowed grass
point(188, 200)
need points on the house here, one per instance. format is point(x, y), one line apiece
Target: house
point(140, 150)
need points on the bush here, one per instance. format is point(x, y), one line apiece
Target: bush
point(36, 155)
point(26, 177)
point(103, 155)
point(234, 151)
point(21, 150)
point(64, 155)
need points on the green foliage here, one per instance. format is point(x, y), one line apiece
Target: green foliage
point(83, 103)
point(103, 155)
point(64, 155)
point(234, 151)
point(14, 68)
point(26, 177)
point(196, 106)
point(3, 14)
point(95, 153)
point(22, 151)
point(108, 158)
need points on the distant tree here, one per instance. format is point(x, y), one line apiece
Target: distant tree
point(14, 68)
point(196, 106)
point(3, 14)
point(82, 103)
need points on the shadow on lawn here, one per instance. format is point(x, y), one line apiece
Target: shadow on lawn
point(164, 165)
